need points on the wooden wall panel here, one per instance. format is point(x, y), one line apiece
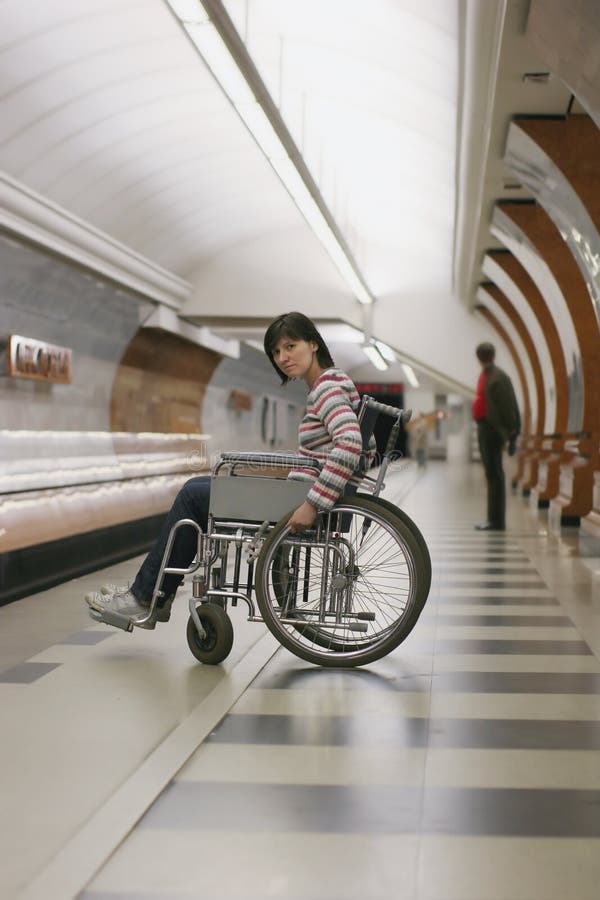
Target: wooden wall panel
point(160, 384)
point(504, 303)
point(543, 234)
point(573, 145)
point(521, 278)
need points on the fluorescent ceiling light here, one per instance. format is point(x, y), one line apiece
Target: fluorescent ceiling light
point(301, 196)
point(341, 332)
point(387, 352)
point(412, 378)
point(375, 357)
point(224, 67)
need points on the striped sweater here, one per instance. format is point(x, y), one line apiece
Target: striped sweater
point(329, 431)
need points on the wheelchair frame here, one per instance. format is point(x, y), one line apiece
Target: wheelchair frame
point(312, 629)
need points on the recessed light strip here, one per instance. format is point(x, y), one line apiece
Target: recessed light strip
point(410, 375)
point(215, 37)
point(375, 357)
point(387, 352)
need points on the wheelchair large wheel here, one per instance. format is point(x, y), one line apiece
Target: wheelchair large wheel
point(412, 526)
point(351, 593)
point(216, 646)
point(283, 565)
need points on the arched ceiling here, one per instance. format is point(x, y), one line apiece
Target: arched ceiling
point(110, 118)
point(107, 110)
point(369, 93)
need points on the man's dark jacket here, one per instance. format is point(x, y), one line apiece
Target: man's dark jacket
point(502, 411)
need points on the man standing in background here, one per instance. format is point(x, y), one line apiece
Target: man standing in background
point(497, 415)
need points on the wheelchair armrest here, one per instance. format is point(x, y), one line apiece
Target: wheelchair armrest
point(268, 460)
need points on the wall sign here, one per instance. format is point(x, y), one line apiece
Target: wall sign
point(29, 358)
point(239, 400)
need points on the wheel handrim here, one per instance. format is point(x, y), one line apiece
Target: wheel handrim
point(385, 585)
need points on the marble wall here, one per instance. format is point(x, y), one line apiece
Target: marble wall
point(45, 297)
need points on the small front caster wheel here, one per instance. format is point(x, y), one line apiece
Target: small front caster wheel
point(215, 647)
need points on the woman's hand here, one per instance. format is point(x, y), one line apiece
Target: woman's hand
point(302, 518)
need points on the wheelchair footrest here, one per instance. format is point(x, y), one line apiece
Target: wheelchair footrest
point(107, 617)
point(316, 623)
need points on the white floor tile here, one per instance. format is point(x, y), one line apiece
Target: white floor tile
point(81, 733)
point(482, 868)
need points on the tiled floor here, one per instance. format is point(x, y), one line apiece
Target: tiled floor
point(464, 766)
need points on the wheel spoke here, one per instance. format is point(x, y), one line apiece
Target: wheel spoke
point(373, 575)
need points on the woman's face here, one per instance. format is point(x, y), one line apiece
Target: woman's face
point(297, 358)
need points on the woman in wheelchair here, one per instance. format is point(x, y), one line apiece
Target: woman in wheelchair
point(329, 433)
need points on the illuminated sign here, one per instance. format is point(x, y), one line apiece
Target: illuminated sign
point(28, 358)
point(370, 387)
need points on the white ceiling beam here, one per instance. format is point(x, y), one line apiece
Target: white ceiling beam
point(290, 167)
point(167, 319)
point(482, 31)
point(37, 219)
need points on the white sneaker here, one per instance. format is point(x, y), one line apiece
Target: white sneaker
point(95, 599)
point(124, 603)
point(98, 600)
point(110, 588)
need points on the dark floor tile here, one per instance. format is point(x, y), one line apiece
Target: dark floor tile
point(338, 809)
point(446, 563)
point(457, 682)
point(511, 812)
point(508, 621)
point(87, 637)
point(396, 731)
point(26, 673)
point(494, 556)
point(475, 548)
point(352, 679)
point(547, 648)
point(374, 809)
point(482, 584)
point(517, 682)
point(517, 734)
point(487, 570)
point(321, 730)
point(534, 600)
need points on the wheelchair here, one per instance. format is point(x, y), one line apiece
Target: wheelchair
point(344, 593)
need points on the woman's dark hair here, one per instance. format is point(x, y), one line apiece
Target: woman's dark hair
point(299, 327)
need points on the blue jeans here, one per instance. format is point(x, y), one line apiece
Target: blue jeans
point(190, 503)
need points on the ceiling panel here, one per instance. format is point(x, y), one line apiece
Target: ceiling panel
point(369, 93)
point(111, 114)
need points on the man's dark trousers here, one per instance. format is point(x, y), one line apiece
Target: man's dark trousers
point(490, 448)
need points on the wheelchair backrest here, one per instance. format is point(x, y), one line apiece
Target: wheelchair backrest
point(366, 419)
